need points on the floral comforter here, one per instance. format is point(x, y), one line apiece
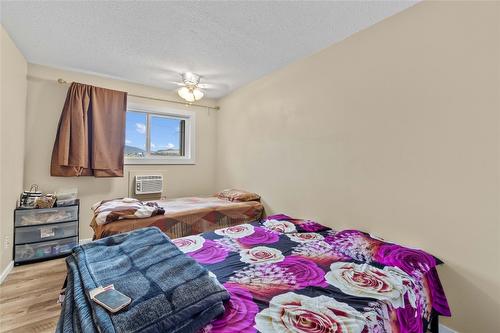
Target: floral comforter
point(291, 275)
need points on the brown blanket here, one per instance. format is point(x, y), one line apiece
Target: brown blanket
point(186, 216)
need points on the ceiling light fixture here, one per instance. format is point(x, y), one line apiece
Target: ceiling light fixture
point(190, 92)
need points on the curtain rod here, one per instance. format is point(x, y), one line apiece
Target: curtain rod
point(62, 81)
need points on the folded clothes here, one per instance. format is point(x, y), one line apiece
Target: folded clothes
point(170, 291)
point(107, 211)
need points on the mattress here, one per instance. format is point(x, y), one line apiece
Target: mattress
point(297, 276)
point(187, 216)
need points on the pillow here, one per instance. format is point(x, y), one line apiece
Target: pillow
point(237, 195)
point(286, 224)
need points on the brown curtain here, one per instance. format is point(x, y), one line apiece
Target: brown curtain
point(91, 133)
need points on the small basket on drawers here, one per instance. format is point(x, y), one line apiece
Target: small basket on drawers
point(42, 234)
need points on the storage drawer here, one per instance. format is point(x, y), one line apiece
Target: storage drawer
point(46, 232)
point(44, 250)
point(48, 215)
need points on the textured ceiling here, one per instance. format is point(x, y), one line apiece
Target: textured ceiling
point(228, 43)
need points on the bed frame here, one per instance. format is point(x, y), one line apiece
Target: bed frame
point(434, 324)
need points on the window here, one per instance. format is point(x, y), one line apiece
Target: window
point(158, 136)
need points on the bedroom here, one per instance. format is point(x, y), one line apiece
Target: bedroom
point(375, 116)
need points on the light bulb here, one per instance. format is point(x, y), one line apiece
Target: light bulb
point(190, 94)
point(186, 94)
point(198, 94)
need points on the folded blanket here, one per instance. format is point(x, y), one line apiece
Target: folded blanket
point(170, 292)
point(126, 208)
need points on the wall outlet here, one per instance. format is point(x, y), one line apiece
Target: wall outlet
point(6, 242)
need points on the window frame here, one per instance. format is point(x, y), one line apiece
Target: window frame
point(189, 118)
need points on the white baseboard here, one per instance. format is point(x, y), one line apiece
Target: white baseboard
point(6, 271)
point(85, 240)
point(445, 329)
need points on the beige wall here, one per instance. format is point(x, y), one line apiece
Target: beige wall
point(394, 131)
point(13, 69)
point(45, 101)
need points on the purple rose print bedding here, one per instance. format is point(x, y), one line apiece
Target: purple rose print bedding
point(291, 275)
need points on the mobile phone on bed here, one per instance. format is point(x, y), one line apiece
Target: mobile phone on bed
point(112, 300)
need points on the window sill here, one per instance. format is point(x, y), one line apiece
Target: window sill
point(159, 161)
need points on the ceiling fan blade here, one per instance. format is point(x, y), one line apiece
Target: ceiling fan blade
point(209, 86)
point(180, 84)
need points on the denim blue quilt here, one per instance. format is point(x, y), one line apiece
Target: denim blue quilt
point(170, 291)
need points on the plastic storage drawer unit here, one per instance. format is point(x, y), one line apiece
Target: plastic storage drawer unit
point(43, 234)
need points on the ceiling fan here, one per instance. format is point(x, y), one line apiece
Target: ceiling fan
point(190, 87)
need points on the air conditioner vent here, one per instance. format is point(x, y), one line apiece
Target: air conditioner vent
point(148, 184)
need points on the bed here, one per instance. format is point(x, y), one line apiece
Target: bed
point(185, 216)
point(291, 275)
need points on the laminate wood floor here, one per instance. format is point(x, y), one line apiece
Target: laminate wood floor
point(28, 297)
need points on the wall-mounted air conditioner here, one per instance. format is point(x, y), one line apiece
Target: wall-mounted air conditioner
point(148, 184)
